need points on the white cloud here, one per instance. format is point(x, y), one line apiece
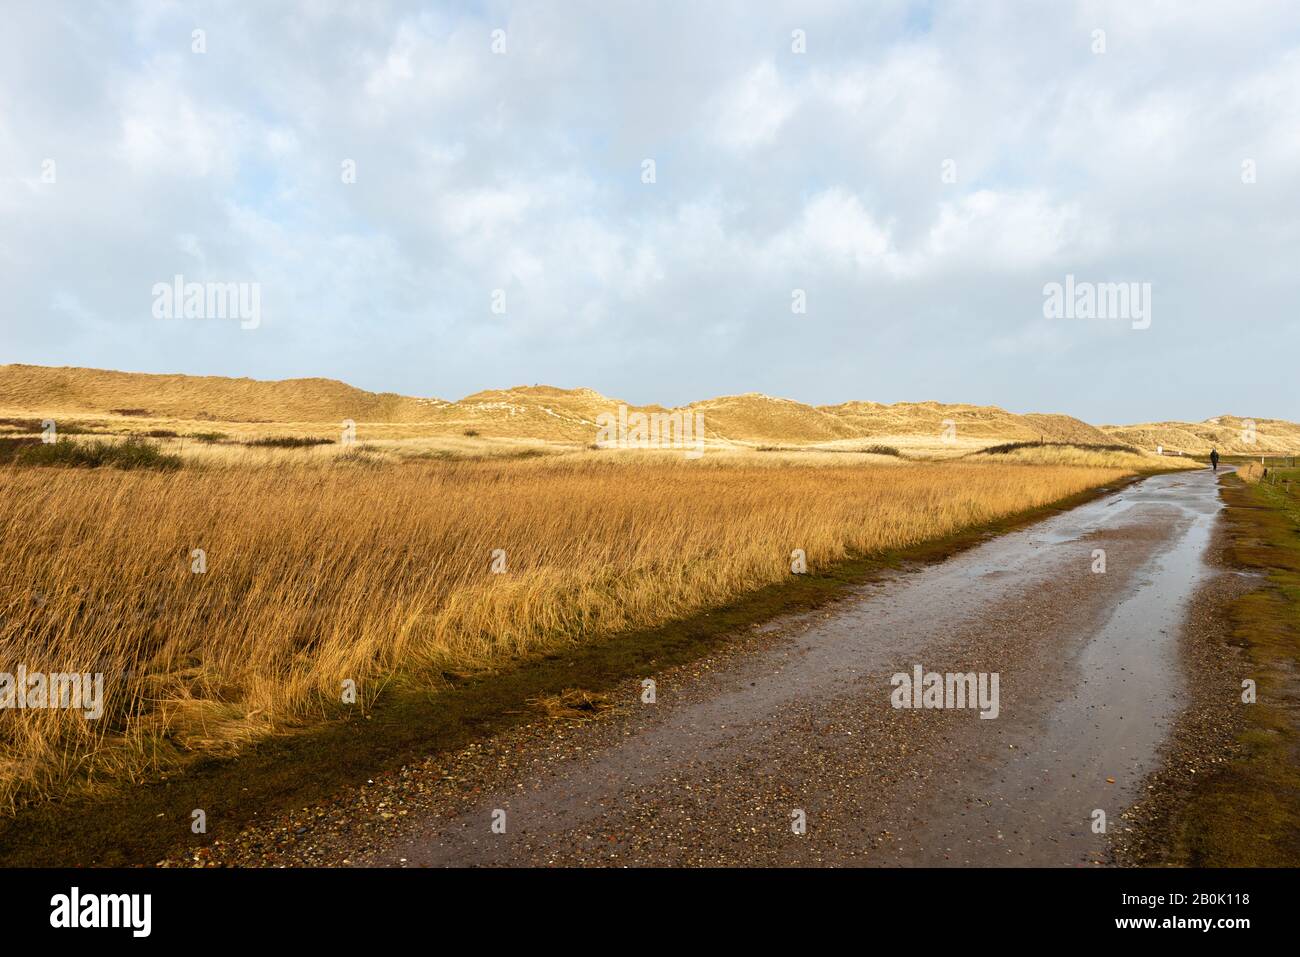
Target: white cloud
point(163, 130)
point(776, 170)
point(1009, 231)
point(836, 228)
point(754, 109)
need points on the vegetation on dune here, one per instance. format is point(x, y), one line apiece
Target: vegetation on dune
point(10, 447)
point(304, 588)
point(889, 450)
point(37, 426)
point(288, 442)
point(132, 452)
point(1008, 447)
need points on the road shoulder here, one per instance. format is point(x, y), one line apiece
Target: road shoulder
point(1228, 792)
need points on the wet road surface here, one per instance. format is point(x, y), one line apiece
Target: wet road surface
point(791, 752)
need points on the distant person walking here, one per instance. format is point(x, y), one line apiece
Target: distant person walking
point(1214, 459)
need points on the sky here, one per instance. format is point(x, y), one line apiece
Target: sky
point(824, 201)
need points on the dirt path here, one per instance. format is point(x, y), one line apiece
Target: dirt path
point(795, 722)
point(716, 770)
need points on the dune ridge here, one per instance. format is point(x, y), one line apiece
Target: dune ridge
point(569, 415)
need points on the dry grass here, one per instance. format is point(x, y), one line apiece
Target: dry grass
point(575, 705)
point(1251, 473)
point(1091, 457)
point(353, 567)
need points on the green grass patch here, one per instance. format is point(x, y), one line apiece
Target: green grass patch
point(1248, 814)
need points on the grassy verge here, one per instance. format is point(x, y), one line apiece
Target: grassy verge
point(1248, 813)
point(141, 824)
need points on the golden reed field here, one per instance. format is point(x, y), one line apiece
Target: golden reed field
point(332, 570)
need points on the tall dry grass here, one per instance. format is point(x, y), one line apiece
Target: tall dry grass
point(345, 570)
point(1092, 456)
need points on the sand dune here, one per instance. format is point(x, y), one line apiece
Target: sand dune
point(1230, 434)
point(41, 389)
point(569, 415)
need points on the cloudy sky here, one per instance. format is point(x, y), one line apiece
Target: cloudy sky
point(919, 170)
